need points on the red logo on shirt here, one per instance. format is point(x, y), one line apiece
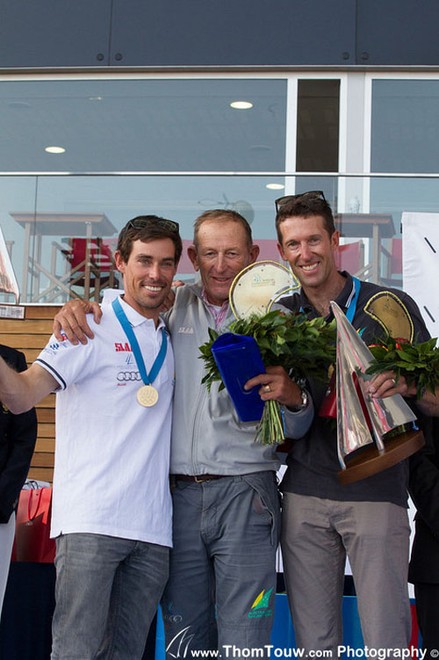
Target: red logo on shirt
point(122, 347)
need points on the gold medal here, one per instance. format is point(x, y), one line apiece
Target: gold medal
point(147, 396)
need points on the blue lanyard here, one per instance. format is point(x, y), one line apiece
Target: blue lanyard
point(352, 307)
point(158, 362)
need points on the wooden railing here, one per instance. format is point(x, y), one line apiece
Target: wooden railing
point(30, 335)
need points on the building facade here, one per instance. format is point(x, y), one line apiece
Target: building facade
point(113, 108)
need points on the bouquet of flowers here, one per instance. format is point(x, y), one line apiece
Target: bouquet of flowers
point(418, 363)
point(305, 348)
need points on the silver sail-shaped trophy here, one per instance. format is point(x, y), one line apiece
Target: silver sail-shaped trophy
point(364, 422)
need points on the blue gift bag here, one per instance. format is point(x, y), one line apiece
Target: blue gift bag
point(238, 359)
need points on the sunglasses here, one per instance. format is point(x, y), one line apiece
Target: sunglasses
point(311, 194)
point(141, 223)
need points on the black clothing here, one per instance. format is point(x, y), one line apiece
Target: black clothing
point(424, 562)
point(18, 434)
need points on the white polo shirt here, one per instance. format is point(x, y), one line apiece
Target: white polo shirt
point(112, 454)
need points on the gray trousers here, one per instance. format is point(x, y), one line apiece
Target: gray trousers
point(317, 534)
point(222, 582)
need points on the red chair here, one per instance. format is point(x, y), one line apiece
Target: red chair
point(92, 265)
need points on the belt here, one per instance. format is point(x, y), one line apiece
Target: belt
point(198, 479)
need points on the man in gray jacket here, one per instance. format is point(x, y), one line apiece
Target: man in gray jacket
point(221, 590)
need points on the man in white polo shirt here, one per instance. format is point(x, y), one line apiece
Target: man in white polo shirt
point(111, 501)
point(221, 588)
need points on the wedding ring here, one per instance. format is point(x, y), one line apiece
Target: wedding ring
point(393, 381)
point(267, 388)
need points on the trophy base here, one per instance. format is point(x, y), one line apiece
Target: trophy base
point(371, 460)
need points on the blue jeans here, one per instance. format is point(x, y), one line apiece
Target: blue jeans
point(107, 592)
point(222, 580)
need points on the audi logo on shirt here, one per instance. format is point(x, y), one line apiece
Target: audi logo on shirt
point(128, 375)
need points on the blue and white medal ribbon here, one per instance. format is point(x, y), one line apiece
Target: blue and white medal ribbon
point(147, 395)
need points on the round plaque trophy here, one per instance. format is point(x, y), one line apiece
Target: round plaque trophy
point(256, 288)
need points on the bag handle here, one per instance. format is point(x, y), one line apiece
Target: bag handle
point(38, 494)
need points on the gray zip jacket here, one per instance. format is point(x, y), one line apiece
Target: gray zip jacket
point(207, 436)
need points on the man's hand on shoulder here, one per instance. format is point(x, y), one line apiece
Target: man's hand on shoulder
point(71, 321)
point(169, 302)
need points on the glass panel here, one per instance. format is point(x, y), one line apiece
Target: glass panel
point(318, 110)
point(327, 184)
point(46, 220)
point(51, 225)
point(396, 195)
point(405, 130)
point(16, 194)
point(142, 125)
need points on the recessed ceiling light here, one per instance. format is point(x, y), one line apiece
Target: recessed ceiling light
point(241, 105)
point(260, 147)
point(19, 105)
point(275, 186)
point(54, 150)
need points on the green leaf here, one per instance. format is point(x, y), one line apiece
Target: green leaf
point(417, 362)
